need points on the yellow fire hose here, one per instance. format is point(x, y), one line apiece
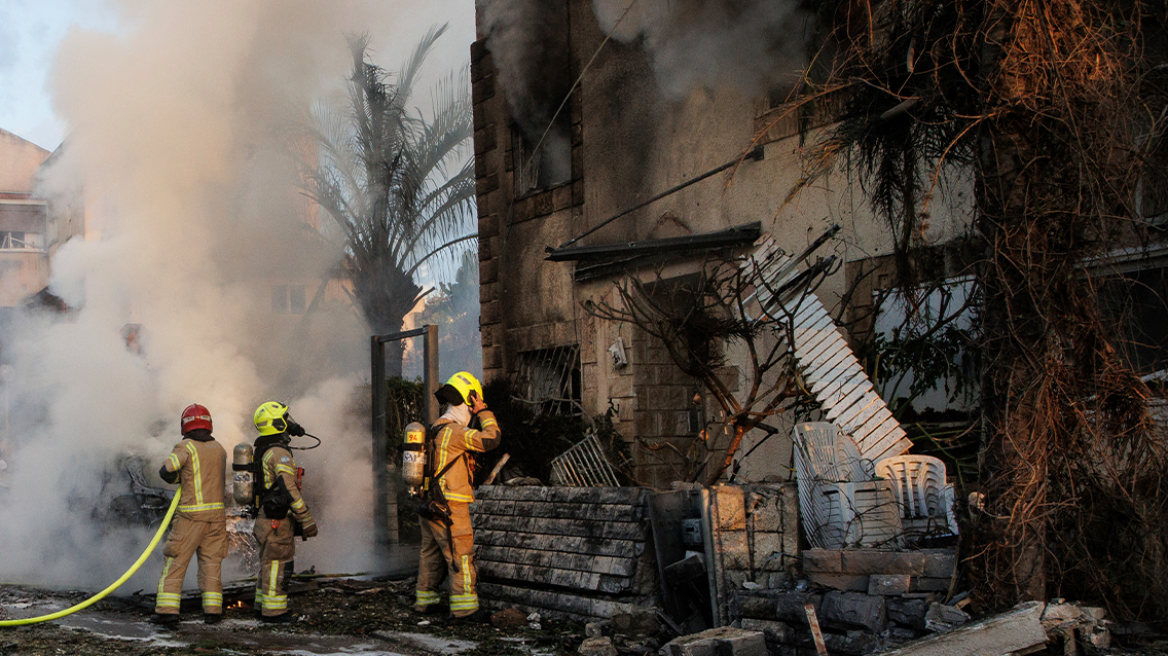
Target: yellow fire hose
point(113, 586)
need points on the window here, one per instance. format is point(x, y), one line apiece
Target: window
point(14, 240)
point(296, 298)
point(549, 380)
point(279, 299)
point(289, 299)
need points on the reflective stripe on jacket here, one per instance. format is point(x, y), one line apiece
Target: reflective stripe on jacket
point(452, 442)
point(201, 467)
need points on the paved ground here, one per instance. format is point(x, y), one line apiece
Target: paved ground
point(336, 617)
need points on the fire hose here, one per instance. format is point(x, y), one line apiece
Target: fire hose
point(113, 586)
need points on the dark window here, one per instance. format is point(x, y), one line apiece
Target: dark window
point(296, 298)
point(280, 299)
point(549, 380)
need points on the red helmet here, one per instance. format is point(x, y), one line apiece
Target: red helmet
point(195, 416)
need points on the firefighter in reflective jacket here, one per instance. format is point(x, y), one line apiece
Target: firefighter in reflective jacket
point(282, 512)
point(448, 541)
point(199, 464)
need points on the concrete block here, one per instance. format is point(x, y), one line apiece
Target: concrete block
point(943, 619)
point(765, 512)
point(773, 630)
point(1014, 631)
point(909, 612)
point(600, 646)
point(840, 581)
point(826, 561)
point(872, 561)
point(888, 584)
point(768, 552)
point(851, 610)
point(722, 641)
point(939, 563)
point(778, 606)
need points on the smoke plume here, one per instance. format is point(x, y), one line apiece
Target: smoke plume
point(177, 124)
point(756, 44)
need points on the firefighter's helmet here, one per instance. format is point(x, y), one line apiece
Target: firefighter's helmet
point(195, 416)
point(466, 383)
point(271, 418)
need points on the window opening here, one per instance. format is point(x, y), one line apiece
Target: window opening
point(549, 380)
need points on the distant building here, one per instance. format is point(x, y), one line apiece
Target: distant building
point(24, 260)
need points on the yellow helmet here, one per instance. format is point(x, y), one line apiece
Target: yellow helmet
point(271, 418)
point(466, 383)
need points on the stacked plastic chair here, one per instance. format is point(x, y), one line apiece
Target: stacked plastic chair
point(841, 503)
point(922, 494)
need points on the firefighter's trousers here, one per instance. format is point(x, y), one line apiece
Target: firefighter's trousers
point(450, 554)
point(187, 538)
point(277, 549)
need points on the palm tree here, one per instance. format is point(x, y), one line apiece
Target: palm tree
point(397, 182)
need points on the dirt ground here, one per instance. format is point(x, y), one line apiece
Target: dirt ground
point(336, 617)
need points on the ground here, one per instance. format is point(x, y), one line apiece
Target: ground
point(338, 616)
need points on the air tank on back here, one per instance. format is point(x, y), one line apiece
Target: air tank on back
point(414, 455)
point(242, 483)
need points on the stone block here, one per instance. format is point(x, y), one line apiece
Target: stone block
point(927, 584)
point(601, 646)
point(826, 561)
point(488, 226)
point(851, 610)
point(888, 584)
point(909, 612)
point(599, 629)
point(640, 623)
point(873, 561)
point(485, 139)
point(840, 581)
point(852, 643)
point(722, 641)
point(492, 357)
point(478, 50)
point(488, 292)
point(489, 313)
point(939, 563)
point(483, 90)
point(774, 631)
point(731, 507)
point(561, 198)
point(541, 204)
point(768, 551)
point(779, 581)
point(1018, 630)
point(488, 272)
point(943, 619)
point(789, 606)
point(487, 184)
point(488, 334)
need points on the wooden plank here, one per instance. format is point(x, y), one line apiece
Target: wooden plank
point(561, 544)
point(569, 527)
point(631, 496)
point(558, 560)
point(561, 602)
point(563, 578)
point(561, 510)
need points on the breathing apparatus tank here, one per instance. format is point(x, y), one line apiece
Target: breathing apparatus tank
point(242, 483)
point(414, 456)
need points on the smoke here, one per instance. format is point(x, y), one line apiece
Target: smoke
point(528, 40)
point(176, 127)
point(756, 45)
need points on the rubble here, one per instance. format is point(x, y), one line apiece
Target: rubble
point(943, 619)
point(599, 646)
point(723, 641)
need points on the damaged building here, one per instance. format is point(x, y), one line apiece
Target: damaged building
point(558, 225)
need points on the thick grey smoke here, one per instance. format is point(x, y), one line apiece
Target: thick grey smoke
point(758, 45)
point(175, 130)
point(528, 40)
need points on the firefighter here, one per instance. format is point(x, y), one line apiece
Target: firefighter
point(447, 536)
point(282, 513)
point(199, 464)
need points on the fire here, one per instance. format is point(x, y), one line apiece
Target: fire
point(237, 604)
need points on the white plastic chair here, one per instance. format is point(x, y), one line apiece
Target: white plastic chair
point(841, 504)
point(921, 490)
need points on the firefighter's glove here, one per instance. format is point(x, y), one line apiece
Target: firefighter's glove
point(309, 529)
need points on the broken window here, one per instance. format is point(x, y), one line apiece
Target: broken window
point(549, 380)
point(541, 145)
